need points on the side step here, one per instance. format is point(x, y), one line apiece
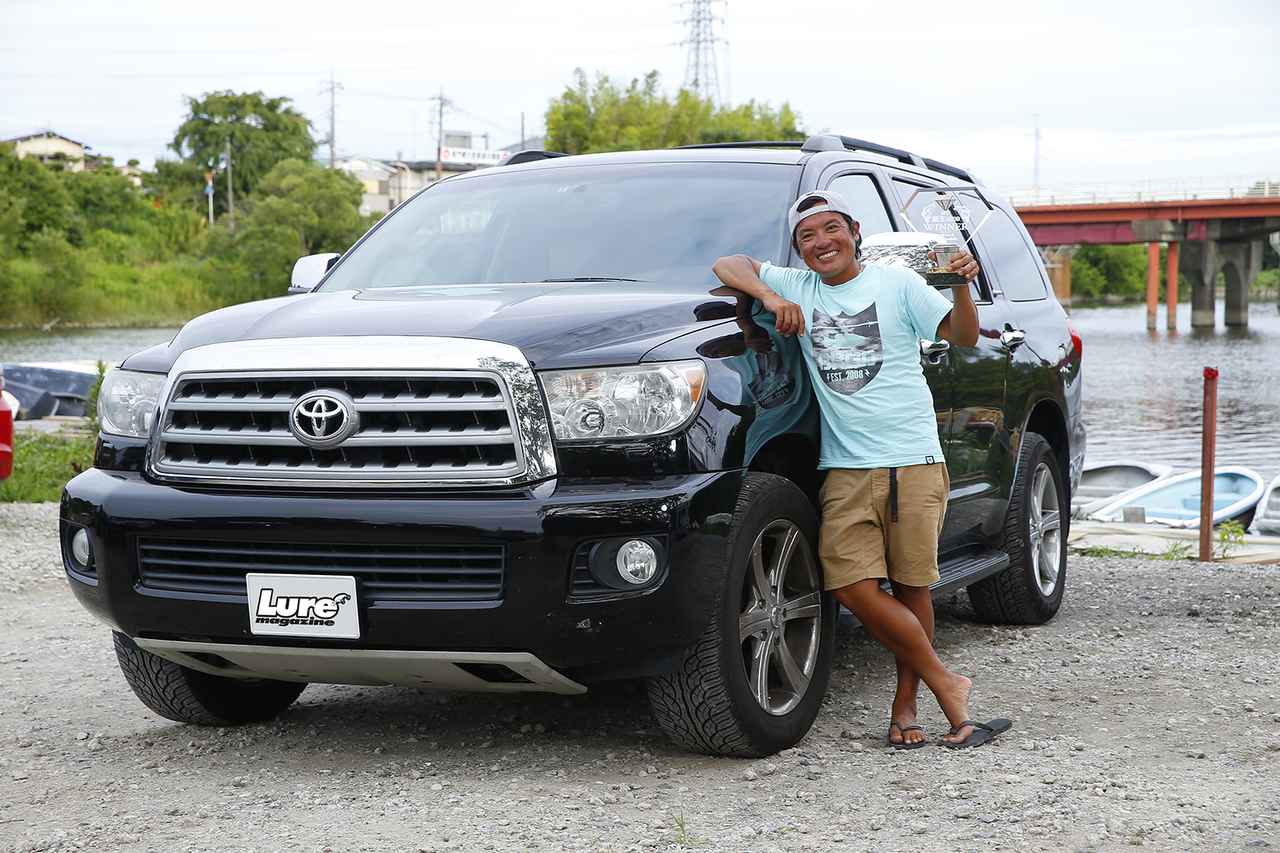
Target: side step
point(960, 571)
point(956, 573)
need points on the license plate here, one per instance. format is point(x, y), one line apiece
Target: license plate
point(303, 606)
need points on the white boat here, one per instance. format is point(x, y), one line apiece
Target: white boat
point(1175, 500)
point(1267, 518)
point(1102, 481)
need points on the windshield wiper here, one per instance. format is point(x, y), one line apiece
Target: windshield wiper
point(591, 278)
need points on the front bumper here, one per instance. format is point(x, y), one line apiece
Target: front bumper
point(539, 527)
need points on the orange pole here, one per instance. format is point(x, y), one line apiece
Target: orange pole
point(1171, 286)
point(1208, 450)
point(1153, 283)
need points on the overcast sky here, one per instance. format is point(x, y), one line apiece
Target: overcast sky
point(1125, 91)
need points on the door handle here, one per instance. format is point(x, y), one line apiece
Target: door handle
point(1013, 338)
point(934, 351)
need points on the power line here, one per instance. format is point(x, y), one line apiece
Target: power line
point(700, 74)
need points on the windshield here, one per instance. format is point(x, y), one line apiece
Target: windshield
point(649, 222)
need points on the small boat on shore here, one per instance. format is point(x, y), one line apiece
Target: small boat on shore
point(44, 389)
point(1102, 481)
point(1174, 501)
point(1267, 518)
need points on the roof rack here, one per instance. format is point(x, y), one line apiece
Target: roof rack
point(832, 142)
point(954, 171)
point(529, 155)
point(757, 143)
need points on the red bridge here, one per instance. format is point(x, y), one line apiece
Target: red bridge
point(1205, 236)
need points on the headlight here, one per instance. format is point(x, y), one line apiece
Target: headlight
point(127, 402)
point(622, 402)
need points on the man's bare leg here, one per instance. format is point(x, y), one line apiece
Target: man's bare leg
point(896, 627)
point(904, 712)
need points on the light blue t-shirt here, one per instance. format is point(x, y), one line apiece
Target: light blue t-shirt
point(862, 346)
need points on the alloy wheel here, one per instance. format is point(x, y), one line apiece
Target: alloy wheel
point(1045, 533)
point(779, 625)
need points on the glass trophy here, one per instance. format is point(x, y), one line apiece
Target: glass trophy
point(940, 228)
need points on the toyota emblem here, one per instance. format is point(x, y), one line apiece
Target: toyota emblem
point(324, 418)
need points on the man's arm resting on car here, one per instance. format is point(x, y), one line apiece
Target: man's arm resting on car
point(743, 274)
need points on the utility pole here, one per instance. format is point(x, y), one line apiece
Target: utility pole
point(700, 75)
point(1035, 169)
point(332, 89)
point(522, 130)
point(208, 192)
point(231, 193)
point(441, 103)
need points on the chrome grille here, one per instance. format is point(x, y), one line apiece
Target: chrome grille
point(384, 572)
point(436, 426)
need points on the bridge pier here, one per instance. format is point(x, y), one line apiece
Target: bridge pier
point(1242, 261)
point(1238, 258)
point(1171, 286)
point(1200, 264)
point(1153, 283)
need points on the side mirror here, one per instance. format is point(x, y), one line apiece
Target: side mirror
point(308, 270)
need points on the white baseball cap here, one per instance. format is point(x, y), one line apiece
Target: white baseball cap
point(829, 202)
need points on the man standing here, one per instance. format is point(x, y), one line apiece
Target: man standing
point(886, 487)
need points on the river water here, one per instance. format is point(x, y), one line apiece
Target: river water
point(1143, 390)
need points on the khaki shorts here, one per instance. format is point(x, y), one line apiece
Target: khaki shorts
point(859, 538)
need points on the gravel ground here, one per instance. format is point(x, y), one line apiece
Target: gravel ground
point(1147, 713)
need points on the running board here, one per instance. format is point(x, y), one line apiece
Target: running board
point(965, 569)
point(955, 573)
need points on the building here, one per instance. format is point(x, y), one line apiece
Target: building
point(52, 149)
point(388, 183)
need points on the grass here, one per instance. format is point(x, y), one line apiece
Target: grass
point(1230, 536)
point(42, 465)
point(1175, 551)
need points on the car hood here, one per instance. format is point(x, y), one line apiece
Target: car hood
point(561, 324)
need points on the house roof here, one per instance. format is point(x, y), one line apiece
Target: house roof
point(43, 134)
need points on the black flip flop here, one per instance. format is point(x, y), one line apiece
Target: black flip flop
point(904, 729)
point(982, 733)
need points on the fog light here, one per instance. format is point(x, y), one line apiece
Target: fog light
point(81, 552)
point(637, 561)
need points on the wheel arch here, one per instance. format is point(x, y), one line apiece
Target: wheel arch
point(793, 456)
point(1048, 419)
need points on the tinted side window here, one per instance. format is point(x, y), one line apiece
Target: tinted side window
point(861, 193)
point(1016, 264)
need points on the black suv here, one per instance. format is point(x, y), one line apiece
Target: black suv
point(517, 438)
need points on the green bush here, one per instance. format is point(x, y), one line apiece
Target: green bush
point(42, 465)
point(1109, 271)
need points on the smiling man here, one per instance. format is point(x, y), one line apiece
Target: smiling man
point(886, 486)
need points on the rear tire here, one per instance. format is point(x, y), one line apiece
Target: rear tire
point(1030, 591)
point(711, 702)
point(185, 695)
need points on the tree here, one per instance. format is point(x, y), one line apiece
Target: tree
point(1118, 271)
point(45, 202)
point(261, 131)
point(604, 117)
point(300, 208)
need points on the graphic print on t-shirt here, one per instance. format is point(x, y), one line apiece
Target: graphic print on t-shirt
point(847, 348)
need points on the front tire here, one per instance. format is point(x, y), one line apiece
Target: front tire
point(185, 695)
point(753, 683)
point(1029, 592)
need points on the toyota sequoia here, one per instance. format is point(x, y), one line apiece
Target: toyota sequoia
point(518, 438)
